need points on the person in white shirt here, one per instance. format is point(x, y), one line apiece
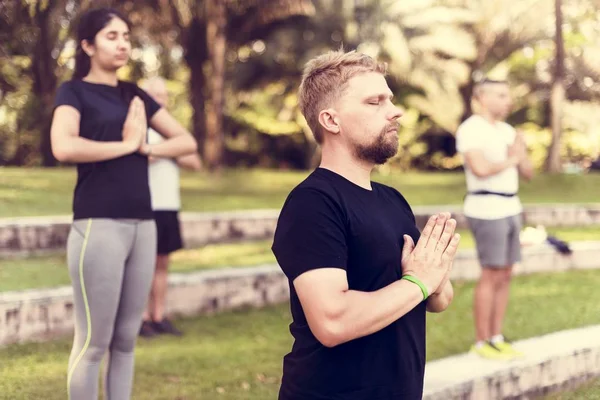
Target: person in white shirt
point(495, 155)
point(166, 203)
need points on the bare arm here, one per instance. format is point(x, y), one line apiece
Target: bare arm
point(337, 315)
point(68, 146)
point(440, 301)
point(483, 168)
point(190, 161)
point(525, 167)
point(178, 141)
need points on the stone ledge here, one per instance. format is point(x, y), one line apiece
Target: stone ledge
point(45, 235)
point(42, 314)
point(42, 235)
point(538, 258)
point(554, 362)
point(38, 315)
point(549, 215)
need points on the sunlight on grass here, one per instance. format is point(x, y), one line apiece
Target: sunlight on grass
point(51, 271)
point(223, 255)
point(36, 191)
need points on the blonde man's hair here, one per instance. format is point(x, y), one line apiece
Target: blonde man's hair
point(324, 81)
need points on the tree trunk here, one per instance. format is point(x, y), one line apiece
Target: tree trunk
point(193, 40)
point(557, 97)
point(216, 24)
point(197, 87)
point(44, 79)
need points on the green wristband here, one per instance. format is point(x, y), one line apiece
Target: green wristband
point(417, 282)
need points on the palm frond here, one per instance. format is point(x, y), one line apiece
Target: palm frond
point(439, 15)
point(449, 40)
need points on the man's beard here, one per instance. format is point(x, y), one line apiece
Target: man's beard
point(382, 149)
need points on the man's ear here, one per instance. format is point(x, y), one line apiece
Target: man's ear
point(329, 121)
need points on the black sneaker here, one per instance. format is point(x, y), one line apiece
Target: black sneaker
point(166, 327)
point(147, 330)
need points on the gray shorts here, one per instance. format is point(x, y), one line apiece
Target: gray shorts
point(497, 240)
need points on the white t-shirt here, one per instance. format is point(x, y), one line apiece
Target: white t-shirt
point(164, 179)
point(493, 140)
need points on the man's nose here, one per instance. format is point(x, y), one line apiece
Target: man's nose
point(397, 112)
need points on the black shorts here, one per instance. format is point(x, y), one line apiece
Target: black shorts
point(168, 232)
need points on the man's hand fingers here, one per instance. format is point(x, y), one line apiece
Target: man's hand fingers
point(451, 250)
point(446, 236)
point(436, 233)
point(426, 233)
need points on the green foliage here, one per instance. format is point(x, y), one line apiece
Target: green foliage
point(581, 139)
point(17, 109)
point(434, 48)
point(268, 110)
point(429, 49)
point(179, 105)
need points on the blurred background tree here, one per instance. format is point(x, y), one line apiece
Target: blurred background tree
point(233, 69)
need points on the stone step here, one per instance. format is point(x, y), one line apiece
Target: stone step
point(554, 362)
point(40, 314)
point(43, 235)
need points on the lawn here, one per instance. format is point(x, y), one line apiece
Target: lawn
point(235, 356)
point(50, 271)
point(587, 391)
point(34, 191)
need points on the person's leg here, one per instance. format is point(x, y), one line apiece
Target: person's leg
point(134, 294)
point(503, 289)
point(159, 287)
point(513, 255)
point(171, 242)
point(490, 251)
point(147, 316)
point(501, 295)
point(147, 329)
point(96, 253)
point(483, 301)
point(490, 244)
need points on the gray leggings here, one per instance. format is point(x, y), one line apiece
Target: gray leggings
point(111, 263)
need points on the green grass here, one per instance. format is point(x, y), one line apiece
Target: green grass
point(35, 191)
point(587, 391)
point(51, 271)
point(235, 356)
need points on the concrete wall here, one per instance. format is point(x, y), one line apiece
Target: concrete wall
point(555, 362)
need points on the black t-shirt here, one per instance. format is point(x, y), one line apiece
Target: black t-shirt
point(328, 221)
point(116, 188)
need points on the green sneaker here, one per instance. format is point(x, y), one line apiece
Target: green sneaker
point(508, 349)
point(491, 352)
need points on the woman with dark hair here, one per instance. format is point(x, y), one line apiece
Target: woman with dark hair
point(100, 124)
